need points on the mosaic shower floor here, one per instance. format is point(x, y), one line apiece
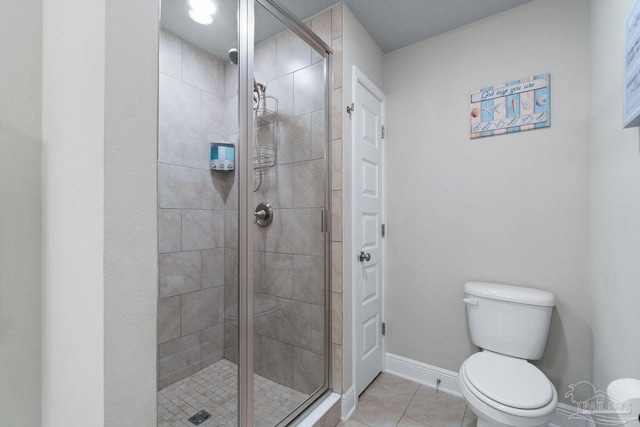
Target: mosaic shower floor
point(214, 389)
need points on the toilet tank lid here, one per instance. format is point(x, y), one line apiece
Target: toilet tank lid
point(511, 293)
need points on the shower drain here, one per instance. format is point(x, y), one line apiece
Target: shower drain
point(200, 417)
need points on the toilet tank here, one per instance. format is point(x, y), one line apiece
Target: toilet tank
point(507, 319)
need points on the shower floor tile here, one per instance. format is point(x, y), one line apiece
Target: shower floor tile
point(214, 389)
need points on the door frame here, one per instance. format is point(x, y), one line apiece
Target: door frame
point(359, 78)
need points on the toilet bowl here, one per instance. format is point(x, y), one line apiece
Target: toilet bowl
point(511, 325)
point(506, 391)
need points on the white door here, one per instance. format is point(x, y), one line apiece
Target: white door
point(368, 244)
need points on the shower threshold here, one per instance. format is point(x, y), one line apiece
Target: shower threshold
point(214, 389)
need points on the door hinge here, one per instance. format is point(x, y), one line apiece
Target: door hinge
point(384, 328)
point(383, 132)
point(384, 230)
point(350, 109)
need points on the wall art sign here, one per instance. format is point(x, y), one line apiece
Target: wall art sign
point(632, 66)
point(511, 107)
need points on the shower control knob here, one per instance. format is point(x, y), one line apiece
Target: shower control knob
point(263, 215)
point(364, 257)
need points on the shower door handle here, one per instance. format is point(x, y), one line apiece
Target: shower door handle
point(364, 257)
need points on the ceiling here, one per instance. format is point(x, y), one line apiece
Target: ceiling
point(392, 23)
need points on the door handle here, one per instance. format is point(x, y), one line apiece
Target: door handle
point(364, 257)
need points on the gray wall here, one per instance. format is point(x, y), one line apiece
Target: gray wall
point(20, 152)
point(508, 208)
point(614, 204)
point(99, 217)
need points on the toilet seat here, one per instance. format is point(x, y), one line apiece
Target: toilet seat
point(508, 381)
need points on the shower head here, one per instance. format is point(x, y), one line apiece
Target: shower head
point(233, 55)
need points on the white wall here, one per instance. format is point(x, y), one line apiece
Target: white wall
point(73, 211)
point(99, 212)
point(130, 212)
point(361, 50)
point(508, 208)
point(614, 205)
point(20, 150)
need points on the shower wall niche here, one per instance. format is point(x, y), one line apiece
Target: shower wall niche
point(198, 216)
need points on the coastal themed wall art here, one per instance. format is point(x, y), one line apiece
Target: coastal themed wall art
point(632, 66)
point(511, 107)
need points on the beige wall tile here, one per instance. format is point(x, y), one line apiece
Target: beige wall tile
point(336, 160)
point(309, 184)
point(336, 318)
point(277, 187)
point(336, 218)
point(179, 101)
point(212, 340)
point(199, 310)
point(178, 359)
point(308, 370)
point(265, 61)
point(294, 143)
point(336, 113)
point(215, 188)
point(336, 364)
point(308, 279)
point(168, 319)
point(308, 89)
point(337, 63)
point(201, 229)
point(212, 267)
point(321, 25)
point(169, 230)
point(213, 113)
point(264, 315)
point(201, 70)
point(276, 361)
point(336, 267)
point(294, 323)
point(282, 88)
point(170, 54)
point(336, 21)
point(318, 134)
point(180, 272)
point(277, 274)
point(179, 187)
point(318, 341)
point(292, 53)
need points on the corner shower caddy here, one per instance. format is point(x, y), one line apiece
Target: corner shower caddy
point(266, 134)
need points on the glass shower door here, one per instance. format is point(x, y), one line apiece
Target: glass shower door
point(243, 176)
point(290, 239)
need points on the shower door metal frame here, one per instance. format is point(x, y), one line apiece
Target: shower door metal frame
point(246, 40)
point(246, 27)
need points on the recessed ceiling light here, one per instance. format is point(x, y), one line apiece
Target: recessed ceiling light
point(203, 6)
point(200, 18)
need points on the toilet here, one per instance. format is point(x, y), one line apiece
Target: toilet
point(510, 324)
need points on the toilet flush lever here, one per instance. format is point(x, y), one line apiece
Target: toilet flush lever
point(470, 301)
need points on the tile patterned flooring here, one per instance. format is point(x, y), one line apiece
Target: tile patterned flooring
point(214, 389)
point(393, 401)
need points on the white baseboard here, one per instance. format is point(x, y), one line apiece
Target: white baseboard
point(349, 400)
point(428, 375)
point(423, 374)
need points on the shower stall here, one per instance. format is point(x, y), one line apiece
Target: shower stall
point(244, 207)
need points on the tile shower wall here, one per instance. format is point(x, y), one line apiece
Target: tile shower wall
point(191, 214)
point(198, 213)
